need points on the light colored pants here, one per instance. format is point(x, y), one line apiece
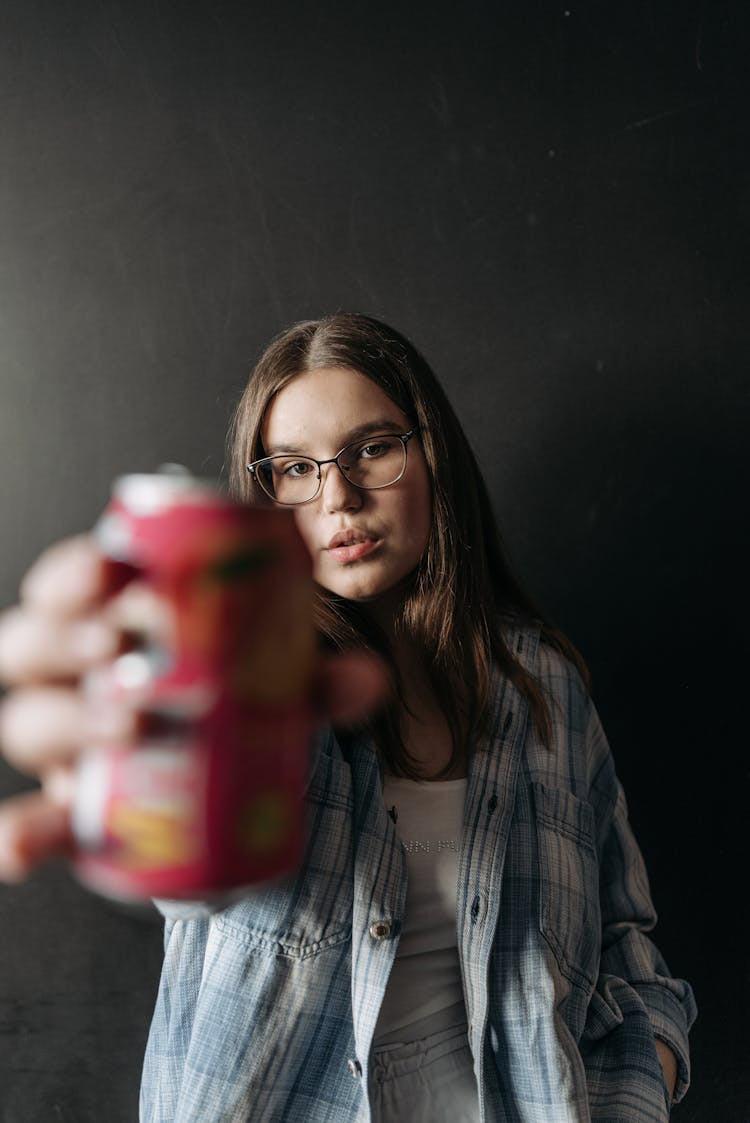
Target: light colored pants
point(429, 1080)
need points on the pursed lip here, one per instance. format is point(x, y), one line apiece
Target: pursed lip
point(350, 537)
point(351, 545)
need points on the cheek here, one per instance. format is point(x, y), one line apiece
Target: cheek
point(411, 526)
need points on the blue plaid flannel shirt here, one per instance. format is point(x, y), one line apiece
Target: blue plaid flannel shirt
point(267, 1007)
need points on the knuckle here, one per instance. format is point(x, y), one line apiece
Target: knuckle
point(36, 725)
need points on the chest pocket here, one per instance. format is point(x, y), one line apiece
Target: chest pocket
point(569, 911)
point(311, 910)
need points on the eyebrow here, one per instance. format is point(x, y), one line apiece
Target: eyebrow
point(380, 425)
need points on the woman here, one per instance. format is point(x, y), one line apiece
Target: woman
point(465, 939)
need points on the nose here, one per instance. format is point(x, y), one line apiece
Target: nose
point(337, 493)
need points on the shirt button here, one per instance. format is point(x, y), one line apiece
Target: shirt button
point(380, 929)
point(355, 1068)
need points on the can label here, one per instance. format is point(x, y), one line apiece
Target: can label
point(212, 797)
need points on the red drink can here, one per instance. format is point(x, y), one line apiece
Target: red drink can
point(212, 799)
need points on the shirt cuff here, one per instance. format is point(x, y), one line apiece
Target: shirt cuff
point(670, 1020)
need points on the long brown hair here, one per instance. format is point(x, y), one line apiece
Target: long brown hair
point(463, 595)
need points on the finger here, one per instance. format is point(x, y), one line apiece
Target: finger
point(69, 578)
point(351, 687)
point(47, 727)
point(34, 646)
point(32, 829)
point(142, 615)
point(59, 785)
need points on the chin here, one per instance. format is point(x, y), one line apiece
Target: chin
point(372, 593)
point(358, 596)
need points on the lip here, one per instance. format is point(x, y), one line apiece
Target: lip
point(351, 545)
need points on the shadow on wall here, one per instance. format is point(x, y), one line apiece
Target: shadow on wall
point(636, 548)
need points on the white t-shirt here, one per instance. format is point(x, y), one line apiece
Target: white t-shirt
point(426, 976)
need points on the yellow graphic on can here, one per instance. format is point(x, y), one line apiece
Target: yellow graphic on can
point(152, 838)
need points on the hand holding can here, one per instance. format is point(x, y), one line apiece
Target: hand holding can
point(73, 623)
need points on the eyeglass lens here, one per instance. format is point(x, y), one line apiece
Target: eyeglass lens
point(376, 462)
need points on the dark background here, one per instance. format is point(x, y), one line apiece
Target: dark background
point(553, 201)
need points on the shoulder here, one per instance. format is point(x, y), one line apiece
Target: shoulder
point(576, 746)
point(562, 683)
point(556, 675)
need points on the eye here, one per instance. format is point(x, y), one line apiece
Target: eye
point(373, 449)
point(294, 469)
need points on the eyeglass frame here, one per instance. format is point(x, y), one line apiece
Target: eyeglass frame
point(403, 437)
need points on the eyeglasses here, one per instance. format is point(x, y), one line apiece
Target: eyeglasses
point(375, 462)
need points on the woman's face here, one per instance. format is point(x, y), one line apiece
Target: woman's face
point(363, 543)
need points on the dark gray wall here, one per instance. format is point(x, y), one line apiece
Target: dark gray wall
point(554, 202)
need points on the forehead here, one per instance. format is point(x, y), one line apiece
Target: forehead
point(323, 408)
